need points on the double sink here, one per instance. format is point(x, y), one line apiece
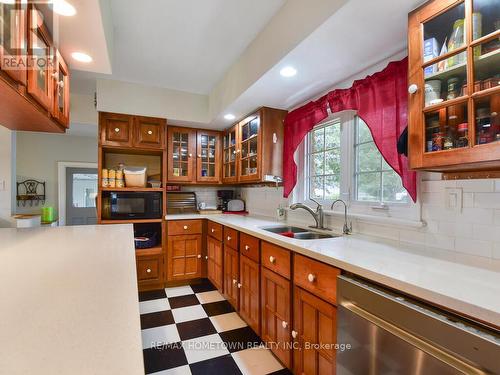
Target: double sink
point(297, 233)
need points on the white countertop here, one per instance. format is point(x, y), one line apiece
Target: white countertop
point(69, 301)
point(469, 285)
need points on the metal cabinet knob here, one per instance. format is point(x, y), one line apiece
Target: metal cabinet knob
point(148, 270)
point(213, 230)
point(235, 281)
point(117, 130)
point(229, 238)
point(239, 285)
point(272, 259)
point(247, 247)
point(311, 278)
point(60, 84)
point(199, 256)
point(185, 227)
point(150, 132)
point(284, 324)
point(294, 334)
point(206, 257)
point(190, 155)
point(412, 89)
point(199, 155)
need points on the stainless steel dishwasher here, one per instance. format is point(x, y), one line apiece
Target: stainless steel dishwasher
point(390, 334)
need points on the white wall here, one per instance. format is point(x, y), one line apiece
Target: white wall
point(475, 231)
point(37, 156)
point(6, 160)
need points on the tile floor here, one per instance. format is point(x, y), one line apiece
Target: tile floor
point(194, 330)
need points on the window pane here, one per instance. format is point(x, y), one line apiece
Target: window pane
point(316, 187)
point(393, 189)
point(318, 139)
point(318, 164)
point(332, 187)
point(364, 134)
point(84, 189)
point(368, 187)
point(332, 136)
point(332, 162)
point(368, 158)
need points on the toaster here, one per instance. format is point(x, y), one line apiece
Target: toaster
point(235, 205)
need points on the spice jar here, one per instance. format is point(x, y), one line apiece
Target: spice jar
point(111, 178)
point(104, 177)
point(119, 181)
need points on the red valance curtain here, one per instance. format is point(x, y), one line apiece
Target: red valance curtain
point(380, 100)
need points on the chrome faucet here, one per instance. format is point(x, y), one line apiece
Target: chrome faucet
point(347, 227)
point(318, 215)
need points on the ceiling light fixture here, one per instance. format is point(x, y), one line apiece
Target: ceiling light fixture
point(63, 8)
point(288, 71)
point(81, 57)
point(229, 116)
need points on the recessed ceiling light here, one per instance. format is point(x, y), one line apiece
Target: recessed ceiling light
point(229, 116)
point(63, 8)
point(81, 57)
point(288, 71)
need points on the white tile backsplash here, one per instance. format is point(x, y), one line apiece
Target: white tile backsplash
point(474, 231)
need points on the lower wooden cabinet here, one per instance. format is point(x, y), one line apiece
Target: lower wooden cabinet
point(276, 314)
point(215, 262)
point(249, 286)
point(150, 271)
point(315, 331)
point(231, 276)
point(184, 254)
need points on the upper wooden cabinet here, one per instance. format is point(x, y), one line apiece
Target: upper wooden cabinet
point(253, 148)
point(208, 146)
point(181, 154)
point(454, 75)
point(60, 78)
point(122, 130)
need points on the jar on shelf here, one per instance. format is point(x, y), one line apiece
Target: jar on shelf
point(456, 40)
point(119, 181)
point(437, 141)
point(453, 88)
point(463, 134)
point(104, 177)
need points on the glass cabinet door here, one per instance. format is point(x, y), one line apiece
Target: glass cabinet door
point(229, 155)
point(13, 39)
point(208, 166)
point(249, 142)
point(180, 152)
point(61, 91)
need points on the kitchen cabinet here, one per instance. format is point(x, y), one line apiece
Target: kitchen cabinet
point(231, 276)
point(149, 270)
point(184, 254)
point(215, 262)
point(276, 314)
point(249, 285)
point(149, 132)
point(116, 129)
point(454, 101)
point(60, 76)
point(13, 24)
point(229, 168)
point(208, 167)
point(315, 323)
point(181, 154)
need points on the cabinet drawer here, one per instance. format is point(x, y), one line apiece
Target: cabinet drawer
point(116, 129)
point(276, 258)
point(149, 132)
point(231, 238)
point(215, 230)
point(249, 246)
point(180, 227)
point(316, 277)
point(148, 268)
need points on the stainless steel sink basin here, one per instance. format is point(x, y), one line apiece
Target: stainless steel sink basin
point(298, 233)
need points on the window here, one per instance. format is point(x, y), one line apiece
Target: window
point(341, 161)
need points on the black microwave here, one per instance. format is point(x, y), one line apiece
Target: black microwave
point(128, 205)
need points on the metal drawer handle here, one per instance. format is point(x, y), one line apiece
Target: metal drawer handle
point(272, 259)
point(150, 132)
point(294, 334)
point(311, 278)
point(185, 227)
point(284, 324)
point(229, 238)
point(148, 270)
point(117, 130)
point(247, 247)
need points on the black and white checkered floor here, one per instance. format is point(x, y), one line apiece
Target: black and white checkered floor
point(194, 330)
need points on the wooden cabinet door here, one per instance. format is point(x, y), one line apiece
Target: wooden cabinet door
point(208, 161)
point(184, 257)
point(116, 129)
point(60, 108)
point(13, 21)
point(249, 149)
point(231, 276)
point(250, 292)
point(230, 156)
point(181, 154)
point(40, 82)
point(215, 262)
point(315, 322)
point(276, 312)
point(149, 132)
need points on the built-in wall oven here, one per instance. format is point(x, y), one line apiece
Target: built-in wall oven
point(392, 334)
point(125, 205)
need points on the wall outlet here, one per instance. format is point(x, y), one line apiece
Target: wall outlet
point(454, 199)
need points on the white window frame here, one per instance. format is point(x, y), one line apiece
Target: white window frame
point(409, 212)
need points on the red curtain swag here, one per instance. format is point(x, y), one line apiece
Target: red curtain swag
point(381, 100)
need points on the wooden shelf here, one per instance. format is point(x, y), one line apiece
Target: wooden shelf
point(130, 189)
point(137, 221)
point(157, 250)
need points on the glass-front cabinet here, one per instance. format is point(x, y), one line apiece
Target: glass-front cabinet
point(13, 18)
point(249, 148)
point(230, 152)
point(454, 85)
point(60, 77)
point(181, 152)
point(208, 161)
